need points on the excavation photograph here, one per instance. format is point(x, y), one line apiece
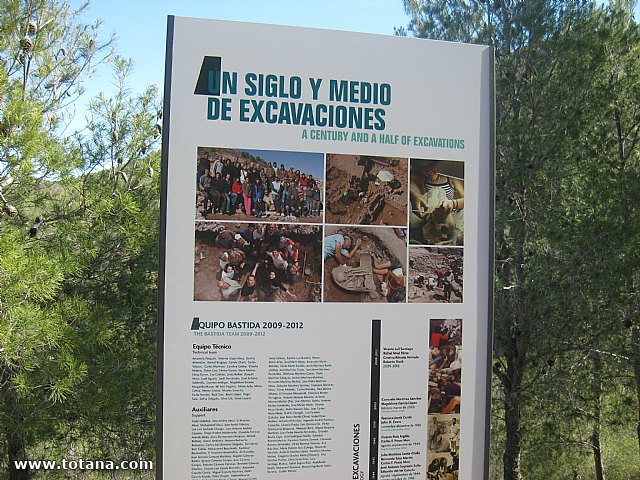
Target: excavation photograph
point(436, 193)
point(364, 264)
point(256, 262)
point(445, 366)
point(435, 274)
point(366, 190)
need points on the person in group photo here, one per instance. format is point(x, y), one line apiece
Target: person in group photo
point(249, 262)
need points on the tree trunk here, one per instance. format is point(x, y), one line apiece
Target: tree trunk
point(513, 440)
point(512, 387)
point(16, 452)
point(636, 372)
point(597, 417)
point(16, 448)
point(516, 344)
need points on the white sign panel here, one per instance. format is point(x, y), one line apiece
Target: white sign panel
point(327, 223)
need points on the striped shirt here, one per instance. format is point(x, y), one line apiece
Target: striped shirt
point(446, 186)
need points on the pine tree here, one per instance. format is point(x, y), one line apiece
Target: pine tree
point(78, 252)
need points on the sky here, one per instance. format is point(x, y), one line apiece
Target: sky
point(140, 27)
point(309, 163)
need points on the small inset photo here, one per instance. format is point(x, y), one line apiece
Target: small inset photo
point(241, 184)
point(255, 262)
point(435, 275)
point(441, 466)
point(445, 365)
point(443, 434)
point(445, 332)
point(436, 194)
point(366, 190)
point(445, 391)
point(364, 264)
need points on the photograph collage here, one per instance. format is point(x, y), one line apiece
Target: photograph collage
point(444, 398)
point(279, 226)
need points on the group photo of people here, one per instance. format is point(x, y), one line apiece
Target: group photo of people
point(436, 194)
point(365, 264)
point(445, 366)
point(233, 184)
point(256, 262)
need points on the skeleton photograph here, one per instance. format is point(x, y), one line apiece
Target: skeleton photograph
point(365, 264)
point(366, 190)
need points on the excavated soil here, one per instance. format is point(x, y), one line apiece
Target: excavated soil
point(355, 195)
